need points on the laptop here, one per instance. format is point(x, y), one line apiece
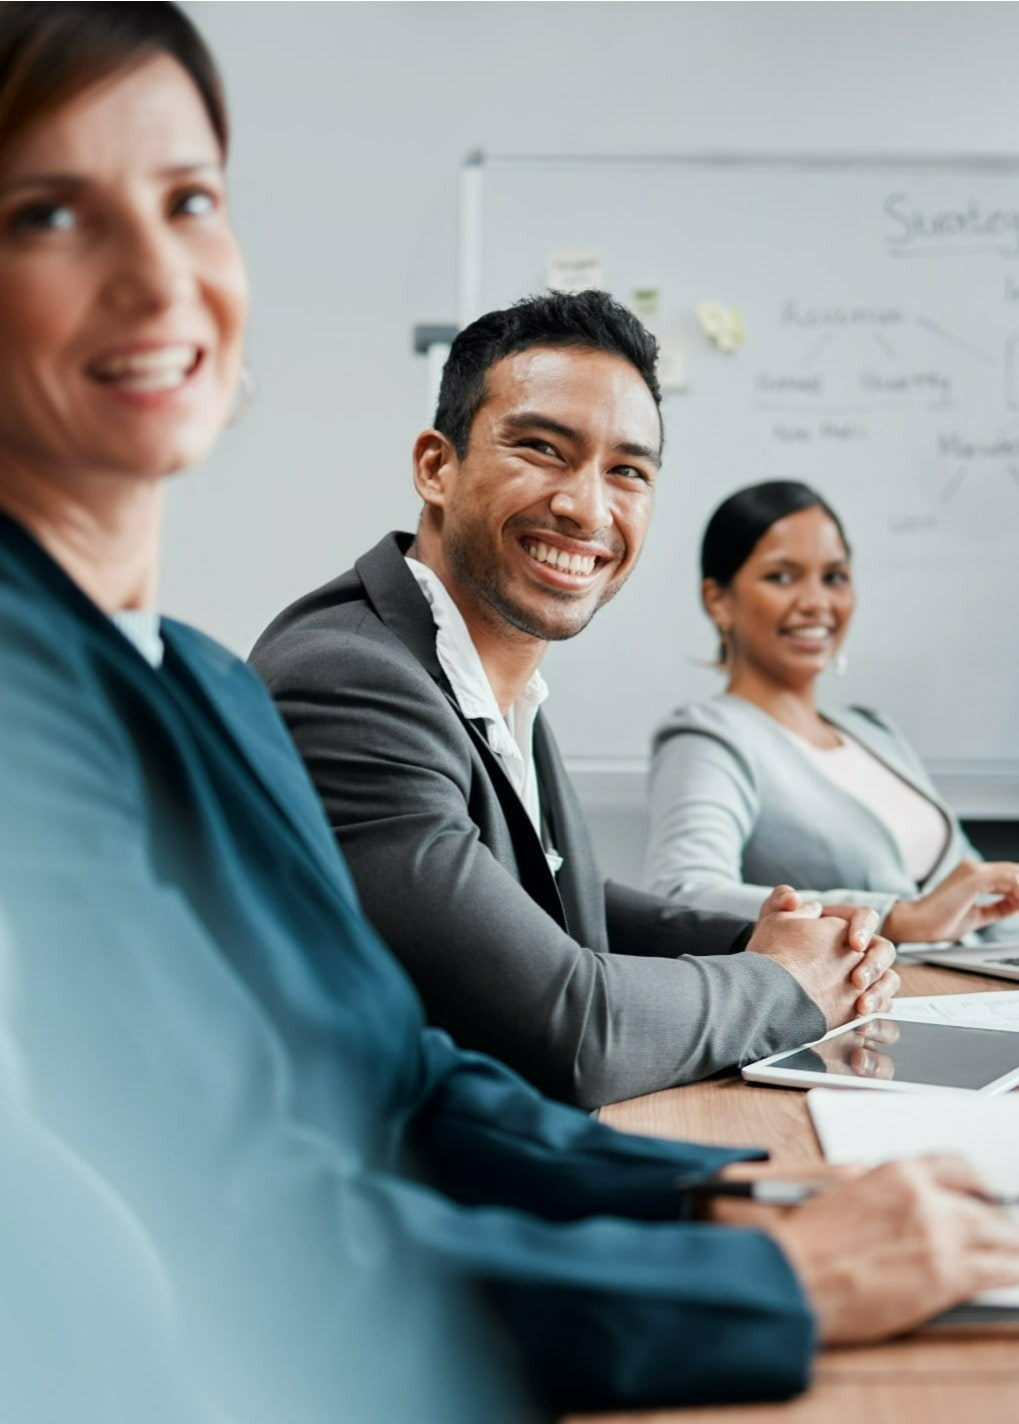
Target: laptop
point(999, 961)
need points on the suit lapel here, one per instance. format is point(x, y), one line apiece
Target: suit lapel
point(578, 882)
point(534, 868)
point(883, 748)
point(396, 598)
point(879, 744)
point(393, 593)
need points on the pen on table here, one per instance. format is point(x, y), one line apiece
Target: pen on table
point(772, 1192)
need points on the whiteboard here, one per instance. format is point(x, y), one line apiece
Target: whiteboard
point(880, 301)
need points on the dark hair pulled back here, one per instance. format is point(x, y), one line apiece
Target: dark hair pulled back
point(741, 521)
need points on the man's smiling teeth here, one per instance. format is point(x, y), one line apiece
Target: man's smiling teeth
point(559, 559)
point(160, 369)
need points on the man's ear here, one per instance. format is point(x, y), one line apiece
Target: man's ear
point(435, 468)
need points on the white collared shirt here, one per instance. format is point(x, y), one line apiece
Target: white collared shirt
point(511, 738)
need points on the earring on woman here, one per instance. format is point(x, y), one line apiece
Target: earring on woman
point(723, 646)
point(244, 396)
point(840, 663)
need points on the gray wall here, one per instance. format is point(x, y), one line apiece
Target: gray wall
point(351, 121)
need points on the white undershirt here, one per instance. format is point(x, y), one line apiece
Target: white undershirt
point(918, 828)
point(141, 627)
point(511, 738)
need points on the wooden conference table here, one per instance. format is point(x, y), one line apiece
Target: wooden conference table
point(930, 1379)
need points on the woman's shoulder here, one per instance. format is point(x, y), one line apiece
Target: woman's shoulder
point(726, 718)
point(709, 744)
point(725, 733)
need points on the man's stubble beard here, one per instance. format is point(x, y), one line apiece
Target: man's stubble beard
point(488, 586)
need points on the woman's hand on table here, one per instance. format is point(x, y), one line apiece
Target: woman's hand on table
point(879, 1250)
point(953, 909)
point(901, 1243)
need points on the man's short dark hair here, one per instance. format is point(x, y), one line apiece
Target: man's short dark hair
point(590, 320)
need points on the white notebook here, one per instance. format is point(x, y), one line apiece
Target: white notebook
point(875, 1127)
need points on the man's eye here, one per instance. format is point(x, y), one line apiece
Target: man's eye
point(44, 217)
point(837, 576)
point(542, 446)
point(195, 203)
point(633, 472)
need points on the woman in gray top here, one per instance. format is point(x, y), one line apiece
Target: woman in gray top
point(760, 785)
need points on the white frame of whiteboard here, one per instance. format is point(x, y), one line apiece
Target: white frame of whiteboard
point(768, 1071)
point(471, 197)
point(986, 792)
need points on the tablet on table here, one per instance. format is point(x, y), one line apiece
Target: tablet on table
point(896, 1055)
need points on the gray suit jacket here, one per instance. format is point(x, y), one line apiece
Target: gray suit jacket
point(736, 808)
point(595, 993)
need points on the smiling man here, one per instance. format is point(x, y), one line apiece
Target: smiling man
point(528, 554)
point(412, 687)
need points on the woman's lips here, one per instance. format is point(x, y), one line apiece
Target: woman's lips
point(811, 636)
point(153, 369)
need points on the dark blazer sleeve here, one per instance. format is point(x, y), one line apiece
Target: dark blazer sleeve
point(393, 764)
point(587, 1302)
point(647, 924)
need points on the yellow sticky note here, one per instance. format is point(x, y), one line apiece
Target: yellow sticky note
point(722, 325)
point(645, 303)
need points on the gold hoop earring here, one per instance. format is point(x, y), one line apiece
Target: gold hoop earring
point(244, 396)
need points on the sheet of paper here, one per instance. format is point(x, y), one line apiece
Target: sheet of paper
point(881, 1127)
point(574, 271)
point(994, 1009)
point(673, 369)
